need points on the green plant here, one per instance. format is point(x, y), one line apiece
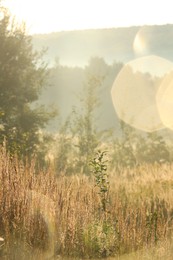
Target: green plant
point(99, 165)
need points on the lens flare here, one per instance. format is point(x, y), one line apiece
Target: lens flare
point(135, 90)
point(44, 206)
point(141, 42)
point(165, 100)
point(140, 45)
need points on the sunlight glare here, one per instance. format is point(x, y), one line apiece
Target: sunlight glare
point(142, 93)
point(139, 45)
point(60, 15)
point(165, 100)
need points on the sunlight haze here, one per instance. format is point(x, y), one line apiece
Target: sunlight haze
point(55, 15)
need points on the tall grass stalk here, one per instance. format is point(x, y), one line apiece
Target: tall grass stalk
point(42, 215)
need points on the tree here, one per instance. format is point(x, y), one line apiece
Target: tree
point(22, 76)
point(153, 149)
point(123, 147)
point(84, 124)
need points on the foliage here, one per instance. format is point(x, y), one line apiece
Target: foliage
point(22, 76)
point(64, 153)
point(99, 165)
point(153, 149)
point(134, 147)
point(84, 125)
point(79, 134)
point(123, 152)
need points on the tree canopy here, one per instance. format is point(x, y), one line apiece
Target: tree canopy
point(22, 76)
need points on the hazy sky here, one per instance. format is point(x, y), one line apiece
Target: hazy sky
point(44, 16)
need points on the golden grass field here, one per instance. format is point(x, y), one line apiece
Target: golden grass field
point(43, 216)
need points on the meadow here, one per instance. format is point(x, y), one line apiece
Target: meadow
point(48, 216)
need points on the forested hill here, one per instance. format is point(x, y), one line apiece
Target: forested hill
point(74, 48)
point(111, 48)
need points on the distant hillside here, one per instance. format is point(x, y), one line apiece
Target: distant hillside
point(74, 48)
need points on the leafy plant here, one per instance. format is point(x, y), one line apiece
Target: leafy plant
point(99, 165)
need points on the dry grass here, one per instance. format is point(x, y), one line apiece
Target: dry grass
point(42, 216)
